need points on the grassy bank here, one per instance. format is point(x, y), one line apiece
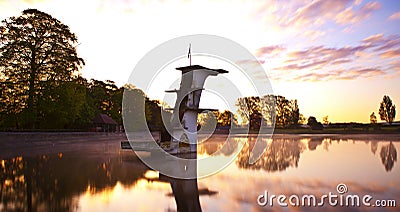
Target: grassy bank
point(342, 130)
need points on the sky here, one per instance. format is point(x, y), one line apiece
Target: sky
point(337, 58)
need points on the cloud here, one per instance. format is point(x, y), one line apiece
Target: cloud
point(319, 12)
point(365, 72)
point(395, 16)
point(373, 38)
point(316, 12)
point(314, 34)
point(391, 53)
point(311, 64)
point(269, 50)
point(341, 61)
point(320, 56)
point(351, 16)
point(251, 62)
point(372, 57)
point(382, 43)
point(395, 65)
point(340, 74)
point(357, 2)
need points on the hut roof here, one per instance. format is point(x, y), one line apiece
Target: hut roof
point(104, 119)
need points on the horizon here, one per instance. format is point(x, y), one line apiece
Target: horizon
point(327, 55)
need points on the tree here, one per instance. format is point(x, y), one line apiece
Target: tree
point(283, 111)
point(302, 119)
point(274, 110)
point(207, 121)
point(268, 109)
point(250, 111)
point(325, 120)
point(372, 118)
point(61, 107)
point(105, 97)
point(37, 52)
point(225, 118)
point(387, 110)
point(314, 124)
point(294, 113)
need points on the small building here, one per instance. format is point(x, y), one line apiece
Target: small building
point(104, 123)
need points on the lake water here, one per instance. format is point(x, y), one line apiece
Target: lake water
point(105, 178)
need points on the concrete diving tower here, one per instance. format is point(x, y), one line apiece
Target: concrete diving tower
point(184, 118)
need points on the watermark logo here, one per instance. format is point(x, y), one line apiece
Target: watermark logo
point(341, 188)
point(152, 73)
point(331, 199)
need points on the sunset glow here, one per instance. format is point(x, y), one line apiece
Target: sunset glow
point(337, 58)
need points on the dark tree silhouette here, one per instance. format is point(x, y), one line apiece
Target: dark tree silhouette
point(372, 118)
point(387, 110)
point(274, 110)
point(105, 97)
point(36, 52)
point(314, 124)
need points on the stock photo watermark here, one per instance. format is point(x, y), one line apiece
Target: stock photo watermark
point(339, 198)
point(179, 119)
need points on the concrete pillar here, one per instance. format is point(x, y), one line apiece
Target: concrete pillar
point(184, 119)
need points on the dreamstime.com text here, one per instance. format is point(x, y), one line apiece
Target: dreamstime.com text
point(332, 199)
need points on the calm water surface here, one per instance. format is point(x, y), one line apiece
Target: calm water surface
point(106, 178)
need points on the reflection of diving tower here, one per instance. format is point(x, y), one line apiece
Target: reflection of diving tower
point(184, 118)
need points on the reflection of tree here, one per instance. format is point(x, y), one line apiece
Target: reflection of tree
point(374, 146)
point(388, 156)
point(314, 142)
point(279, 155)
point(226, 147)
point(230, 146)
point(49, 183)
point(11, 173)
point(209, 148)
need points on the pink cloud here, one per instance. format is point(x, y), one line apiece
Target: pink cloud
point(372, 57)
point(391, 53)
point(316, 12)
point(340, 74)
point(319, 12)
point(251, 62)
point(395, 16)
point(351, 16)
point(269, 50)
point(314, 34)
point(373, 38)
point(320, 56)
point(395, 65)
point(381, 42)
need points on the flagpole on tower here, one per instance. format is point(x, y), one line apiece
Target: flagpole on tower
point(190, 55)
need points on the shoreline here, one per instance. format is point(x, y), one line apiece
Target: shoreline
point(106, 144)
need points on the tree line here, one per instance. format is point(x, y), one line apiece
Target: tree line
point(270, 109)
point(69, 104)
